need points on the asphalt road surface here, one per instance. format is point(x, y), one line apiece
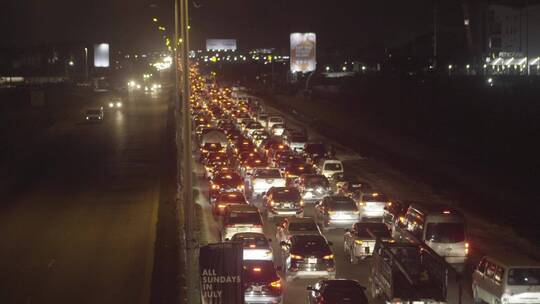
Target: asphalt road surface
point(79, 209)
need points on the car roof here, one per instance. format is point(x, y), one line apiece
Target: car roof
point(300, 220)
point(433, 208)
point(512, 259)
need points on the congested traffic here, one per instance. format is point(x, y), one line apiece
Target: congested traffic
point(282, 194)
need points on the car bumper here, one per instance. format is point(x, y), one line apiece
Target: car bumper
point(261, 299)
point(312, 196)
point(287, 212)
point(340, 223)
point(312, 274)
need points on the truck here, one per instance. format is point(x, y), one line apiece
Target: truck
point(408, 273)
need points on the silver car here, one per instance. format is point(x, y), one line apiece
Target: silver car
point(336, 212)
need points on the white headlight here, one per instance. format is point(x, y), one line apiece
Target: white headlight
point(119, 104)
point(111, 105)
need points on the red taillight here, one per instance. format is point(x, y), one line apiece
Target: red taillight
point(257, 226)
point(252, 246)
point(467, 248)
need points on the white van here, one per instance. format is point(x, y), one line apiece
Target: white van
point(329, 167)
point(274, 119)
point(509, 279)
point(441, 228)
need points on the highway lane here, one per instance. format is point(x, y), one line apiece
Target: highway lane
point(77, 224)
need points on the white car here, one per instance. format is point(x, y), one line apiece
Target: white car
point(256, 246)
point(329, 167)
point(240, 218)
point(261, 180)
point(277, 129)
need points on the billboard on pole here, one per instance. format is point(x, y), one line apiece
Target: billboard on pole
point(303, 57)
point(101, 55)
point(221, 267)
point(220, 45)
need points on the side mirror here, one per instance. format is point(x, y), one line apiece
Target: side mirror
point(309, 287)
point(330, 243)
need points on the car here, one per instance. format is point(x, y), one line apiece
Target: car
point(274, 119)
point(262, 179)
point(225, 181)
point(340, 291)
point(94, 114)
point(359, 241)
point(252, 127)
point(371, 206)
point(261, 283)
point(314, 152)
point(247, 167)
point(295, 169)
point(336, 211)
point(225, 199)
point(283, 201)
point(329, 167)
point(313, 187)
point(393, 212)
point(215, 160)
point(506, 278)
point(296, 140)
point(115, 103)
point(256, 246)
point(263, 119)
point(296, 226)
point(240, 218)
point(307, 256)
point(277, 129)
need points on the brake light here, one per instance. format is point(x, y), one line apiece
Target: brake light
point(241, 187)
point(215, 187)
point(252, 246)
point(328, 257)
point(467, 248)
point(257, 269)
point(446, 212)
point(296, 257)
point(272, 203)
point(221, 206)
point(276, 284)
point(359, 242)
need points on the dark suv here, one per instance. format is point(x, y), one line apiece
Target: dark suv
point(307, 256)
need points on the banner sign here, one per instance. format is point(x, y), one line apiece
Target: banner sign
point(303, 47)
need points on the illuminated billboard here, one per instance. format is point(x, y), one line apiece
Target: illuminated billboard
point(101, 55)
point(303, 52)
point(220, 45)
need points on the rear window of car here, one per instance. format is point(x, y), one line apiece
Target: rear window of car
point(289, 194)
point(276, 119)
point(228, 178)
point(243, 218)
point(259, 272)
point(445, 232)
point(249, 239)
point(378, 229)
point(268, 173)
point(307, 226)
point(232, 198)
point(342, 204)
point(333, 167)
point(93, 112)
point(524, 276)
point(298, 138)
point(309, 243)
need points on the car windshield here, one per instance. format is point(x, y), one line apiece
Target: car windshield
point(309, 243)
point(333, 167)
point(445, 232)
point(524, 276)
point(268, 173)
point(342, 204)
point(302, 226)
point(316, 181)
point(243, 218)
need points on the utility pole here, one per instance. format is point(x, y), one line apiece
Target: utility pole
point(435, 34)
point(191, 243)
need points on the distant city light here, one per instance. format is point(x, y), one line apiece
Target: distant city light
point(327, 68)
point(363, 68)
point(468, 66)
point(71, 63)
point(344, 68)
point(450, 66)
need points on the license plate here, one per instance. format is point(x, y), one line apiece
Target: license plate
point(286, 205)
point(257, 288)
point(270, 181)
point(312, 260)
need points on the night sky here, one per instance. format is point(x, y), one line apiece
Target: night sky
point(255, 23)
